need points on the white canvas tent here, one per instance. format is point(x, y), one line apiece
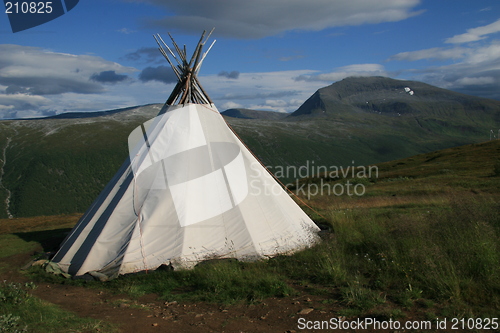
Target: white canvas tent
point(190, 191)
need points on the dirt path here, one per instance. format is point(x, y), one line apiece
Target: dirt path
point(149, 314)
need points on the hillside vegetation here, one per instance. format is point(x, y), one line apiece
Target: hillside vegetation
point(60, 164)
point(423, 243)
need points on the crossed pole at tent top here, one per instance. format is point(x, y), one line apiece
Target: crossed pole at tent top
point(188, 88)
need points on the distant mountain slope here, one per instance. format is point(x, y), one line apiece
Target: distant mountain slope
point(390, 97)
point(79, 115)
point(458, 163)
point(253, 114)
point(59, 165)
point(52, 166)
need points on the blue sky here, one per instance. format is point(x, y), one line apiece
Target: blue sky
point(269, 54)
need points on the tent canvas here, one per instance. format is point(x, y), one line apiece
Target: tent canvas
point(190, 191)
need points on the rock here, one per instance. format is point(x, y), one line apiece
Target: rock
point(305, 311)
point(39, 262)
point(99, 276)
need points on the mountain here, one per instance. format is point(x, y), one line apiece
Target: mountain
point(253, 114)
point(390, 97)
point(60, 164)
point(371, 120)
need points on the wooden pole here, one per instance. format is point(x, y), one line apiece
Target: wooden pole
point(188, 88)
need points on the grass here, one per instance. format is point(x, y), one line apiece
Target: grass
point(219, 281)
point(421, 234)
point(11, 244)
point(28, 235)
point(222, 281)
point(445, 257)
point(22, 312)
point(19, 310)
point(420, 241)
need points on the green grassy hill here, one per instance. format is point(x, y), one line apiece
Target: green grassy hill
point(371, 120)
point(423, 243)
point(54, 166)
point(60, 164)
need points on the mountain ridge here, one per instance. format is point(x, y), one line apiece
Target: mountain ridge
point(385, 96)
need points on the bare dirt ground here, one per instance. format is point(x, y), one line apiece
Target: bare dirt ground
point(149, 314)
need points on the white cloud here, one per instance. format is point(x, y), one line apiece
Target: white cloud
point(478, 72)
point(276, 103)
point(16, 105)
point(485, 55)
point(266, 107)
point(230, 105)
point(469, 81)
point(36, 80)
point(22, 101)
point(278, 91)
point(439, 53)
point(345, 71)
point(39, 72)
point(260, 18)
point(279, 105)
point(476, 67)
point(26, 71)
point(475, 34)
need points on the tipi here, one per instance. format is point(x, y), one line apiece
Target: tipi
point(190, 191)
